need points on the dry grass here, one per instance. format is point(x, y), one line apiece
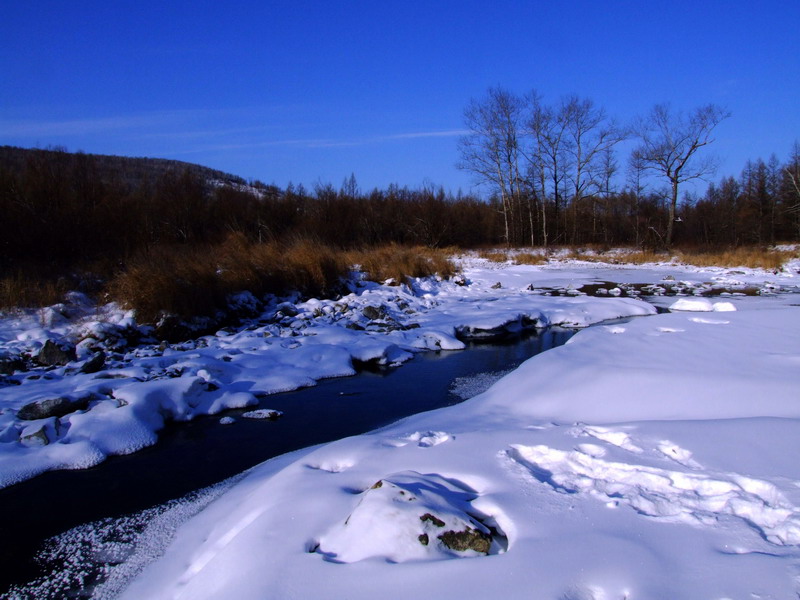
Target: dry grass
point(30, 291)
point(398, 263)
point(529, 258)
point(175, 280)
point(749, 257)
point(196, 281)
point(497, 256)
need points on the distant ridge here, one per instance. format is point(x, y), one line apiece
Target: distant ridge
point(130, 171)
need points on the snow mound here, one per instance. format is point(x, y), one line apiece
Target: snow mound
point(693, 305)
point(409, 516)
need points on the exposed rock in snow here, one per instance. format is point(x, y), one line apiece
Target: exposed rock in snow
point(53, 354)
point(52, 407)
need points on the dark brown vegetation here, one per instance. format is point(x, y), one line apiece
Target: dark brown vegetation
point(180, 238)
point(166, 236)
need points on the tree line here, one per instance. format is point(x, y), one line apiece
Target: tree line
point(554, 175)
point(64, 209)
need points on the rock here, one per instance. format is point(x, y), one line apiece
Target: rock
point(287, 309)
point(53, 354)
point(171, 328)
point(461, 280)
point(52, 407)
point(36, 438)
point(469, 539)
point(9, 364)
point(95, 363)
point(433, 519)
point(374, 313)
point(497, 286)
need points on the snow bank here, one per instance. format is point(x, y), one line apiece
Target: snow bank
point(113, 399)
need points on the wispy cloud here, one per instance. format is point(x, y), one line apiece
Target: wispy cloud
point(430, 134)
point(388, 138)
point(37, 128)
point(324, 142)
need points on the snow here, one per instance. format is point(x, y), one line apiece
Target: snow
point(136, 391)
point(646, 458)
point(641, 463)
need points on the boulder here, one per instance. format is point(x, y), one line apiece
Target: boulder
point(95, 363)
point(375, 313)
point(53, 354)
point(52, 407)
point(9, 364)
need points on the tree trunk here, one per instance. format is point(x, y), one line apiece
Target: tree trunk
point(672, 206)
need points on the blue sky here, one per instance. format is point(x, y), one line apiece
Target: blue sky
point(312, 91)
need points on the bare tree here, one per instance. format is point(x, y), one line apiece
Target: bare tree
point(491, 149)
point(792, 178)
point(591, 135)
point(636, 182)
point(538, 127)
point(548, 156)
point(669, 142)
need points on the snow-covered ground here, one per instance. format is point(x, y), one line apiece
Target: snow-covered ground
point(655, 458)
point(111, 398)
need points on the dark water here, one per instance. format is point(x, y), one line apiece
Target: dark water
point(193, 455)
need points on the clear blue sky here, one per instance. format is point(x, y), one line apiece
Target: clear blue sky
point(312, 91)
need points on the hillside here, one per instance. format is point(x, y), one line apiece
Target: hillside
point(132, 172)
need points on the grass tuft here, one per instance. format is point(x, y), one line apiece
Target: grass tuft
point(399, 263)
point(529, 258)
point(28, 290)
point(497, 256)
point(196, 281)
point(747, 257)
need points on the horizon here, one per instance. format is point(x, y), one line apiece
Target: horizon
point(314, 93)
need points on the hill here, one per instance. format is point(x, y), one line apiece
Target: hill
point(132, 172)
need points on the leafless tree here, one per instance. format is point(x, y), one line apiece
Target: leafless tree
point(591, 136)
point(491, 149)
point(637, 185)
point(669, 142)
point(538, 127)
